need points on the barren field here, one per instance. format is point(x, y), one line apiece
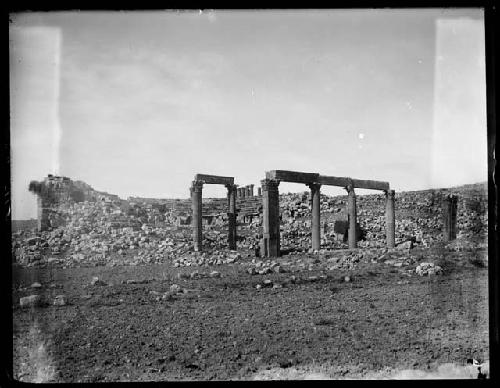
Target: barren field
point(134, 324)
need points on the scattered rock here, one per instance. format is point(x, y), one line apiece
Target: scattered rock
point(175, 288)
point(405, 245)
point(30, 301)
point(97, 282)
point(428, 269)
point(60, 300)
point(36, 285)
point(135, 281)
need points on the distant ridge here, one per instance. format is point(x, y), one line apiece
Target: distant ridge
point(31, 223)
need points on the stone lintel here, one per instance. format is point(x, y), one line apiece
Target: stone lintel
point(371, 185)
point(292, 176)
point(214, 179)
point(333, 181)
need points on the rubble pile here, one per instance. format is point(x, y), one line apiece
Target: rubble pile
point(95, 228)
point(206, 259)
point(100, 233)
point(295, 213)
point(418, 218)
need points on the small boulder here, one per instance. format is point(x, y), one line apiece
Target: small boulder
point(405, 245)
point(97, 282)
point(30, 301)
point(60, 300)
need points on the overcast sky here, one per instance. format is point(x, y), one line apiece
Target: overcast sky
point(136, 103)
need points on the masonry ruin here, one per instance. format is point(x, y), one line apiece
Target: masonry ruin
point(196, 190)
point(270, 243)
point(449, 206)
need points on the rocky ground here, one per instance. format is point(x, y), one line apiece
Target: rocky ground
point(114, 292)
point(348, 313)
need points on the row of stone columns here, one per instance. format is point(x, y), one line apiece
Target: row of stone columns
point(196, 190)
point(244, 192)
point(270, 245)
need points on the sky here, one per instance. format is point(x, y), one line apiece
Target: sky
point(136, 103)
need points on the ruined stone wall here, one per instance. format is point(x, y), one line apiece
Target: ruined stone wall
point(56, 193)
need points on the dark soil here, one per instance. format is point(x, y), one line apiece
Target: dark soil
point(224, 328)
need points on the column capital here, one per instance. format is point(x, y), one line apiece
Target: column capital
point(350, 186)
point(390, 194)
point(269, 184)
point(231, 188)
point(450, 197)
point(197, 186)
point(314, 186)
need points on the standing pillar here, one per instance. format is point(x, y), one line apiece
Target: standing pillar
point(450, 217)
point(243, 192)
point(196, 201)
point(315, 215)
point(259, 191)
point(270, 245)
point(231, 215)
point(251, 190)
point(390, 219)
point(351, 216)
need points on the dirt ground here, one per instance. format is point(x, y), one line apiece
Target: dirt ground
point(224, 328)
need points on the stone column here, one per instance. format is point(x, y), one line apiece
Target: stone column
point(351, 216)
point(390, 219)
point(259, 191)
point(450, 217)
point(315, 215)
point(231, 215)
point(270, 246)
point(196, 201)
point(243, 192)
point(251, 190)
